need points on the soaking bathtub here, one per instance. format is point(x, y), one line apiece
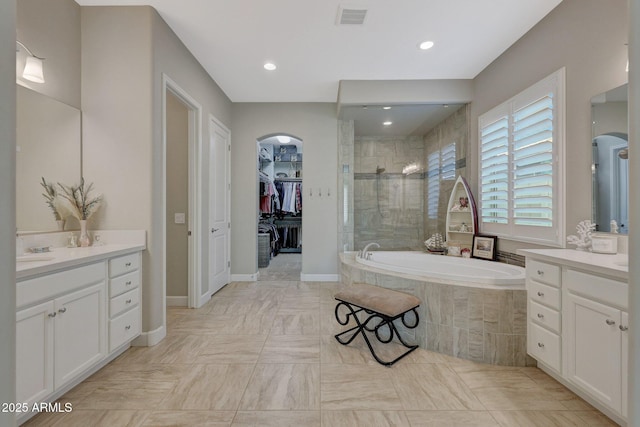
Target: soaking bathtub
point(471, 309)
point(451, 269)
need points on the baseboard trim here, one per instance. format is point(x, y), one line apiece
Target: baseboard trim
point(244, 277)
point(177, 301)
point(319, 277)
point(151, 338)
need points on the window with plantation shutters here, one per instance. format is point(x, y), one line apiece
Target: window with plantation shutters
point(520, 164)
point(441, 165)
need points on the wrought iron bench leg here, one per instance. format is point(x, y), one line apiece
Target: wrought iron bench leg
point(362, 326)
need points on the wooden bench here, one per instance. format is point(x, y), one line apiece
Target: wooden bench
point(383, 306)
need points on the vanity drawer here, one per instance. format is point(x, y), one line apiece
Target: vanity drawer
point(544, 294)
point(124, 283)
point(544, 346)
point(124, 264)
point(544, 316)
point(124, 328)
point(124, 302)
point(543, 272)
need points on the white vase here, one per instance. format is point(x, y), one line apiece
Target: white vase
point(84, 237)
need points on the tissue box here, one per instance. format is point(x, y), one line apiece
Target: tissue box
point(604, 244)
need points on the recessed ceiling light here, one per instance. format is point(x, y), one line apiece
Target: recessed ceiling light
point(386, 108)
point(283, 139)
point(269, 66)
point(387, 123)
point(426, 45)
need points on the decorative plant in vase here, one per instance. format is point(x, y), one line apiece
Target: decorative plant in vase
point(51, 196)
point(81, 205)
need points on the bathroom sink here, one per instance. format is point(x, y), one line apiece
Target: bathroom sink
point(33, 258)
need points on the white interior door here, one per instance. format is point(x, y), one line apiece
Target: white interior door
point(219, 206)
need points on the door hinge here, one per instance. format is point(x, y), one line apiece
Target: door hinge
point(229, 147)
point(189, 233)
point(229, 225)
point(228, 263)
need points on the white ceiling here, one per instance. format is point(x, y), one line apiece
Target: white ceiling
point(233, 39)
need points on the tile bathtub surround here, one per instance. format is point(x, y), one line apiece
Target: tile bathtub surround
point(209, 372)
point(482, 325)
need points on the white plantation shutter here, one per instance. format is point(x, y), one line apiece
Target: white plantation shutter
point(521, 147)
point(494, 172)
point(533, 163)
point(433, 184)
point(448, 161)
point(441, 165)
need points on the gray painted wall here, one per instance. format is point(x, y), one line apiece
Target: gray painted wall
point(125, 51)
point(7, 208)
point(588, 38)
point(317, 126)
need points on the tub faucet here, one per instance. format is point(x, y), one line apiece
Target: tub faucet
point(365, 254)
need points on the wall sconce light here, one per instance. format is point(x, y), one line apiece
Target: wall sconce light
point(33, 67)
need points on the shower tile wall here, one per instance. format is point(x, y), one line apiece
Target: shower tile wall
point(455, 129)
point(388, 205)
point(345, 185)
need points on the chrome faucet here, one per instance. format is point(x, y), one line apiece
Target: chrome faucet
point(364, 253)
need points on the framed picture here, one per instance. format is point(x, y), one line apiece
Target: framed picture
point(484, 247)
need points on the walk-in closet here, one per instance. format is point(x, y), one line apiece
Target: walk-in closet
point(280, 198)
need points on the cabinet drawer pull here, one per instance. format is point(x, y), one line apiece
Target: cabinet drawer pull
point(128, 301)
point(52, 314)
point(128, 264)
point(128, 283)
point(540, 316)
point(623, 328)
point(540, 273)
point(127, 327)
point(540, 294)
point(541, 345)
point(62, 310)
point(610, 322)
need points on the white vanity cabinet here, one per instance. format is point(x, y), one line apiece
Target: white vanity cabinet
point(594, 340)
point(58, 339)
point(577, 323)
point(76, 311)
point(124, 299)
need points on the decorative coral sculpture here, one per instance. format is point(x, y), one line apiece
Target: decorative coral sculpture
point(583, 239)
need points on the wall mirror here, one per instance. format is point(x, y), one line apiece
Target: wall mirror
point(610, 170)
point(48, 145)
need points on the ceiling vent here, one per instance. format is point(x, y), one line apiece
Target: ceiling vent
point(351, 16)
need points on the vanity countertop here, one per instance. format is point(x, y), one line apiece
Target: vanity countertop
point(616, 266)
point(115, 243)
point(61, 258)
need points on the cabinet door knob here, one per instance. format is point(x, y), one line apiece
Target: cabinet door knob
point(623, 328)
point(52, 314)
point(540, 316)
point(128, 264)
point(540, 273)
point(610, 322)
point(540, 294)
point(62, 310)
point(128, 301)
point(541, 345)
point(128, 283)
point(127, 327)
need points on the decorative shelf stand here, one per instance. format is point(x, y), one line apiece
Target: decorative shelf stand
point(462, 217)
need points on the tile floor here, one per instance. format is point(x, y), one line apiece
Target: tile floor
point(263, 354)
